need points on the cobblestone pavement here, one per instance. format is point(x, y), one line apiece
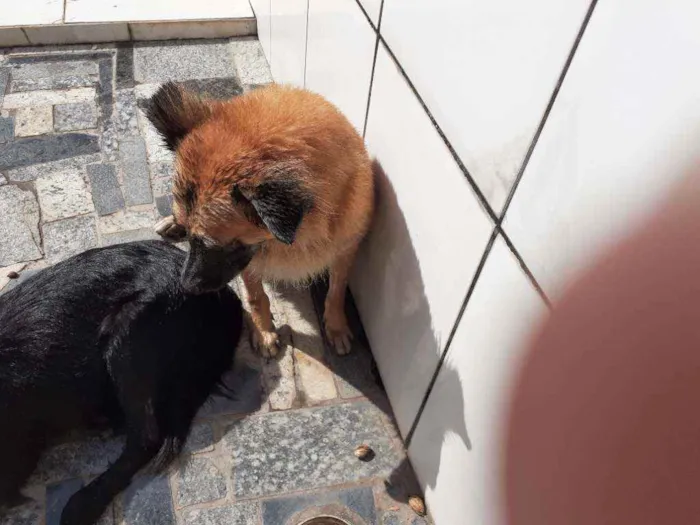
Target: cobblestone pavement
point(80, 167)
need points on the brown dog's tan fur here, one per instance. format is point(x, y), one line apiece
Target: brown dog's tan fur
point(274, 133)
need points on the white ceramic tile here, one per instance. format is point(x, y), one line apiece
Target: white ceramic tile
point(262, 16)
point(339, 56)
point(288, 40)
point(31, 12)
point(154, 10)
point(12, 36)
point(192, 29)
point(456, 449)
point(78, 33)
point(486, 70)
point(372, 8)
point(623, 128)
point(428, 236)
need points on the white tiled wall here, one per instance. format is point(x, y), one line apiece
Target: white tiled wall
point(418, 261)
point(262, 10)
point(288, 40)
point(458, 90)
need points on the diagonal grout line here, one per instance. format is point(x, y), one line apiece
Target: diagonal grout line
point(374, 65)
point(306, 41)
point(547, 110)
point(448, 344)
point(525, 268)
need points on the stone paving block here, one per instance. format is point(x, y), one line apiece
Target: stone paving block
point(137, 181)
point(88, 457)
point(38, 150)
point(280, 384)
point(6, 270)
point(25, 275)
point(4, 79)
point(164, 205)
point(33, 172)
point(125, 65)
point(7, 129)
point(3, 180)
point(201, 481)
point(157, 152)
point(214, 88)
point(147, 501)
point(184, 60)
point(251, 64)
point(245, 513)
point(75, 117)
point(106, 192)
point(201, 439)
point(63, 195)
point(49, 75)
point(304, 449)
point(125, 113)
point(126, 220)
point(143, 234)
point(161, 185)
point(68, 237)
point(19, 226)
point(34, 120)
point(348, 505)
point(47, 98)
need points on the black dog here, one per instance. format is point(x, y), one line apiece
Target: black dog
point(109, 334)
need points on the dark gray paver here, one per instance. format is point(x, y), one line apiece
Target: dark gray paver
point(7, 129)
point(75, 117)
point(33, 172)
point(68, 237)
point(245, 513)
point(304, 449)
point(201, 480)
point(184, 60)
point(47, 148)
point(147, 501)
point(53, 75)
point(125, 65)
point(357, 503)
point(137, 182)
point(164, 205)
point(106, 192)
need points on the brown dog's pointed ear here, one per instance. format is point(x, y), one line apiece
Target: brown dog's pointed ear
point(280, 204)
point(174, 112)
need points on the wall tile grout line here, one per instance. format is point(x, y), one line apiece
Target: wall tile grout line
point(374, 64)
point(525, 268)
point(306, 41)
point(450, 337)
point(548, 109)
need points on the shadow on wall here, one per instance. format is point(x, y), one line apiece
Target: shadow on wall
point(389, 247)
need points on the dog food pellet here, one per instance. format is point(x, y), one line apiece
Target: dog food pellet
point(12, 275)
point(364, 453)
point(417, 505)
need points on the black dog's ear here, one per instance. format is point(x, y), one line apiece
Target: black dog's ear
point(174, 112)
point(280, 204)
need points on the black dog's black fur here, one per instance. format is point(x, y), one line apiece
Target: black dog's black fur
point(108, 333)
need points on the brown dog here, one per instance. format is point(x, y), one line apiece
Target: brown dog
point(280, 169)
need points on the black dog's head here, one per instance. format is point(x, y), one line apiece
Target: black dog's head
point(209, 267)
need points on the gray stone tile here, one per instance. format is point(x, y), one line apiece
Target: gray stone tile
point(201, 481)
point(184, 60)
point(201, 439)
point(88, 457)
point(37, 150)
point(47, 75)
point(26, 274)
point(125, 113)
point(68, 237)
point(342, 504)
point(4, 79)
point(19, 226)
point(126, 220)
point(63, 195)
point(7, 129)
point(147, 501)
point(163, 170)
point(164, 205)
point(106, 192)
point(161, 185)
point(214, 88)
point(251, 64)
point(3, 180)
point(134, 162)
point(144, 234)
point(29, 173)
point(245, 513)
point(125, 65)
point(75, 117)
point(304, 449)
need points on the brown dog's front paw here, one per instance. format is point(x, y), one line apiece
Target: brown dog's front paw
point(339, 336)
point(170, 230)
point(267, 343)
